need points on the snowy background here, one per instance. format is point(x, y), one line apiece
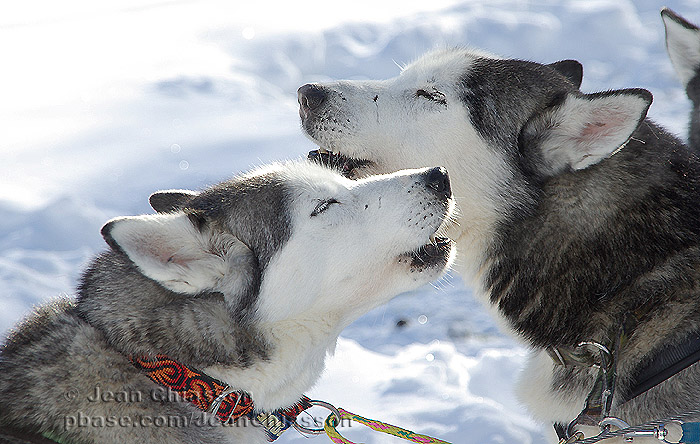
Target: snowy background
point(102, 103)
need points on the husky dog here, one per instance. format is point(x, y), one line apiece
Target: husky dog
point(249, 281)
point(575, 212)
point(683, 45)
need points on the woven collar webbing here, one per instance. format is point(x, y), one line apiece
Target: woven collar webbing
point(202, 390)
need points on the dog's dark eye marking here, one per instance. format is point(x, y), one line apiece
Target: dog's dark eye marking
point(323, 206)
point(433, 95)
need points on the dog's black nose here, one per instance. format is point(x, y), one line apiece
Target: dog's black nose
point(311, 97)
point(438, 181)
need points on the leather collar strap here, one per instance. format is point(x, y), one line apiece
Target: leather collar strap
point(211, 395)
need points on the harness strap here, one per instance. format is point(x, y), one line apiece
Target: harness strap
point(691, 433)
point(663, 365)
point(211, 395)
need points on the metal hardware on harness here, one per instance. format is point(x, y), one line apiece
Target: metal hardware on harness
point(659, 432)
point(607, 368)
point(216, 403)
point(599, 400)
point(672, 430)
point(308, 431)
point(668, 431)
point(612, 421)
point(557, 356)
point(576, 437)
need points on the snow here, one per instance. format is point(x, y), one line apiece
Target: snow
point(104, 103)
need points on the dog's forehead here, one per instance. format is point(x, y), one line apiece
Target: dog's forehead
point(253, 207)
point(441, 66)
point(239, 194)
point(309, 181)
point(259, 207)
point(502, 94)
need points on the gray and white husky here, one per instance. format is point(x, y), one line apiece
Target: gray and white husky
point(249, 281)
point(577, 215)
point(683, 45)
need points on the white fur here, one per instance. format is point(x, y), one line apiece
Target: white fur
point(543, 404)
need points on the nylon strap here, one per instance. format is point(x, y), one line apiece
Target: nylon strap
point(332, 422)
point(202, 390)
point(666, 363)
point(691, 433)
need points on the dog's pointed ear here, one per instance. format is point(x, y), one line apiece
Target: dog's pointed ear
point(167, 201)
point(580, 130)
point(682, 44)
point(177, 250)
point(571, 69)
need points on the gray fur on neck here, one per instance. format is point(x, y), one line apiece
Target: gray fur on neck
point(141, 318)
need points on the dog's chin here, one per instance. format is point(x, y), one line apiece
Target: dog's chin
point(350, 167)
point(434, 256)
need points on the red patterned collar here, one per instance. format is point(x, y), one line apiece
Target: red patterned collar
point(216, 397)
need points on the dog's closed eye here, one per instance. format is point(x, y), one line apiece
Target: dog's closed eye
point(433, 95)
point(323, 206)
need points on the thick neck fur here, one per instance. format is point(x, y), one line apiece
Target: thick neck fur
point(273, 361)
point(600, 242)
point(141, 318)
point(300, 347)
point(300, 342)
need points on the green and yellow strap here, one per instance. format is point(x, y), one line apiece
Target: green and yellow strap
point(332, 422)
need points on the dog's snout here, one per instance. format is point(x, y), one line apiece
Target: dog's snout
point(311, 97)
point(438, 181)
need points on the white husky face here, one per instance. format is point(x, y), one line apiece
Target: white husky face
point(295, 240)
point(414, 120)
point(355, 244)
point(392, 122)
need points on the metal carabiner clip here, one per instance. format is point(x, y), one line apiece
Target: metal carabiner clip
point(305, 430)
